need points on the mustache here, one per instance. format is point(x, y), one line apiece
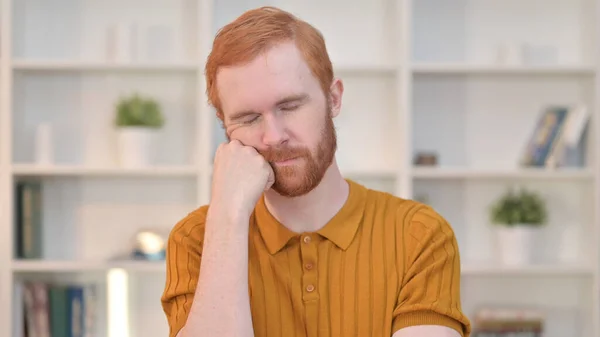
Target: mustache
point(282, 154)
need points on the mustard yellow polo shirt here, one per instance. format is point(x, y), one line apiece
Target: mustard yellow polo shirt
point(381, 264)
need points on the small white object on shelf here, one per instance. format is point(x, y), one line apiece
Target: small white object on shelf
point(540, 54)
point(515, 244)
point(135, 146)
point(122, 40)
point(44, 144)
point(149, 245)
point(570, 243)
point(509, 55)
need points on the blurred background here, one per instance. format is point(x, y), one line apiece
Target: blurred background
point(486, 110)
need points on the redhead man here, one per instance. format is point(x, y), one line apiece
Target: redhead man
point(288, 246)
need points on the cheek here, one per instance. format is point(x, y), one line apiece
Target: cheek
point(246, 136)
point(307, 131)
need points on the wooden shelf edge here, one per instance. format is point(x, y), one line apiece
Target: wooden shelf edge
point(75, 170)
point(41, 266)
point(516, 173)
point(82, 65)
point(466, 68)
point(533, 270)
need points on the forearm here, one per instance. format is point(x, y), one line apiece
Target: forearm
point(427, 331)
point(221, 304)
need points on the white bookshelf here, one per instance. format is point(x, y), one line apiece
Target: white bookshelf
point(487, 69)
point(87, 266)
point(419, 76)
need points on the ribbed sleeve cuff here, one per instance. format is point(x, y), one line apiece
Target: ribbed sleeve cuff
point(426, 318)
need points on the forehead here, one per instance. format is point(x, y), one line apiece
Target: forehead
point(273, 75)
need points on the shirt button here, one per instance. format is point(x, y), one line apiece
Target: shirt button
point(307, 239)
point(310, 288)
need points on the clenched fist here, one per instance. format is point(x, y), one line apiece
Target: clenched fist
point(240, 175)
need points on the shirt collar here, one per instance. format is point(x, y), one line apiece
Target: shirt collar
point(341, 229)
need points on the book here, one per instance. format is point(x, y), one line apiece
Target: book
point(545, 136)
point(508, 322)
point(28, 220)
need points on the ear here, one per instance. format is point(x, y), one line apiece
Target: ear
point(335, 97)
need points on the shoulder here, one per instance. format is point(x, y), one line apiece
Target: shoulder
point(189, 230)
point(413, 222)
point(420, 232)
point(405, 213)
point(422, 220)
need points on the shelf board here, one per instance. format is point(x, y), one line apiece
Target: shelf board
point(379, 173)
point(535, 270)
point(76, 65)
point(55, 65)
point(458, 68)
point(40, 266)
point(355, 69)
point(517, 173)
point(73, 170)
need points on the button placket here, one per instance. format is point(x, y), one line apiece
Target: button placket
point(309, 260)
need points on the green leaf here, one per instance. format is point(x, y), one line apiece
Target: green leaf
point(138, 111)
point(519, 208)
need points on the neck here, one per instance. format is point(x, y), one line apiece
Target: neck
point(310, 212)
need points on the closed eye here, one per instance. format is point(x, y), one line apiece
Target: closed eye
point(250, 119)
point(244, 117)
point(290, 107)
point(292, 102)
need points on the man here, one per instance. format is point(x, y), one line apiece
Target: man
point(288, 247)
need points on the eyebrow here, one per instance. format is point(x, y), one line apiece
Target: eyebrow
point(293, 98)
point(288, 99)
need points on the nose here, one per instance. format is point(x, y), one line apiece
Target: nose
point(274, 131)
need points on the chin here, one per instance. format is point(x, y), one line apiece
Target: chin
point(289, 181)
point(291, 185)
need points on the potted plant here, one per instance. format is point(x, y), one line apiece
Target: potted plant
point(518, 216)
point(137, 120)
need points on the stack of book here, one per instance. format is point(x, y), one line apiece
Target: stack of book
point(55, 310)
point(557, 137)
point(508, 322)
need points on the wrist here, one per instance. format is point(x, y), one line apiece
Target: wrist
point(228, 221)
point(231, 211)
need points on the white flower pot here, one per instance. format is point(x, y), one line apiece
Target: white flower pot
point(515, 244)
point(135, 146)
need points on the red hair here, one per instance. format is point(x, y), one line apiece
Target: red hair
point(254, 32)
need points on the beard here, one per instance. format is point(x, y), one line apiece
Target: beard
point(297, 180)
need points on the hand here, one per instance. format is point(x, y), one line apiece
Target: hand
point(240, 175)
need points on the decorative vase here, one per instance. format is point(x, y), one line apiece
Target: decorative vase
point(515, 244)
point(122, 42)
point(135, 146)
point(149, 245)
point(44, 144)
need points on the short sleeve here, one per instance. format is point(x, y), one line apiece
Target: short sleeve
point(430, 289)
point(183, 256)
